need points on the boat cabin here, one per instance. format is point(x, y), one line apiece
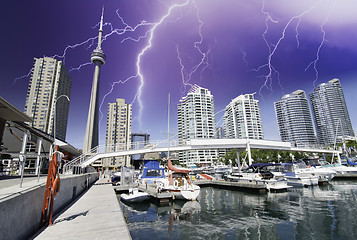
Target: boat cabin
point(152, 171)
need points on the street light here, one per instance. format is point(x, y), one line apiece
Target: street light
point(54, 117)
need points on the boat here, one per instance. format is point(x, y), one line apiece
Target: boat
point(296, 177)
point(135, 196)
point(179, 184)
point(341, 170)
point(312, 166)
point(350, 163)
point(220, 169)
point(152, 172)
point(258, 173)
point(203, 176)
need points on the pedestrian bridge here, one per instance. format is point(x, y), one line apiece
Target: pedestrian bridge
point(194, 144)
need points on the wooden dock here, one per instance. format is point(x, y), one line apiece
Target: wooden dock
point(151, 190)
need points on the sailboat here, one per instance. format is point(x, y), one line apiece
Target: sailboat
point(179, 184)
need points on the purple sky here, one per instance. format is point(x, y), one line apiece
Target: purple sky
point(223, 45)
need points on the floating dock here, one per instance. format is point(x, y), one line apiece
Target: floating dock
point(151, 190)
point(255, 186)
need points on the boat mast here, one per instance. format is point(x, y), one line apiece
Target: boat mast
point(168, 128)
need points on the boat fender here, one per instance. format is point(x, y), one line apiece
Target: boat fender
point(56, 186)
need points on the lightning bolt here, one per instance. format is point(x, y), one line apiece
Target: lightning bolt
point(150, 35)
point(182, 70)
point(274, 47)
point(244, 57)
point(148, 46)
point(203, 62)
point(24, 76)
point(314, 63)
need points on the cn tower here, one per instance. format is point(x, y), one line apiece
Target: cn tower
point(98, 58)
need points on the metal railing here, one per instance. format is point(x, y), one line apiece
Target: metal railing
point(74, 166)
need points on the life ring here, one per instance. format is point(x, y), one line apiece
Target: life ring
point(56, 186)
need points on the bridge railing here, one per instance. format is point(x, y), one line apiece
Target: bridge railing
point(74, 166)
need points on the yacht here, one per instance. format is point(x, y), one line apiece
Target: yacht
point(296, 176)
point(259, 174)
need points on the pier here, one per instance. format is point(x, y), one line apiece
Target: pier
point(96, 215)
point(81, 210)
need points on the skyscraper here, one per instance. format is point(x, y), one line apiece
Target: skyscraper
point(242, 118)
point(98, 58)
point(330, 113)
point(49, 81)
point(196, 119)
point(118, 130)
point(294, 119)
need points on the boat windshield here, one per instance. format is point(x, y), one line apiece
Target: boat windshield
point(300, 164)
point(312, 162)
point(153, 173)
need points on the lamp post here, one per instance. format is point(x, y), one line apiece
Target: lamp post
point(54, 117)
point(54, 124)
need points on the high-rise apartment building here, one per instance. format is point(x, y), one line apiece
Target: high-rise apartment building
point(242, 118)
point(294, 119)
point(44, 102)
point(196, 119)
point(118, 131)
point(330, 113)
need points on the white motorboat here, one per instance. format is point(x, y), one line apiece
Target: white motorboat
point(308, 167)
point(135, 196)
point(298, 177)
point(341, 170)
point(257, 173)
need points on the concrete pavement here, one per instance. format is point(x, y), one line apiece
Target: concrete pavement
point(95, 215)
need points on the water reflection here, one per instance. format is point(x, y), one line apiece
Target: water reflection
point(326, 212)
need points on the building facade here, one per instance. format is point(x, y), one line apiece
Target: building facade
point(331, 117)
point(44, 104)
point(294, 119)
point(242, 118)
point(138, 141)
point(118, 131)
point(196, 119)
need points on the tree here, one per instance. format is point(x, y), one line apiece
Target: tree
point(230, 156)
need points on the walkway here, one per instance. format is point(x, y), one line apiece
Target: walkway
point(96, 215)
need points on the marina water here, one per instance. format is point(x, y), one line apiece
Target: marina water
point(319, 212)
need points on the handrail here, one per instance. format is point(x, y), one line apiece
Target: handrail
point(74, 166)
point(76, 162)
